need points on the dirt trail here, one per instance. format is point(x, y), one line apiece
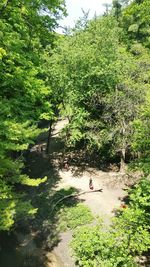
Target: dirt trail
point(100, 203)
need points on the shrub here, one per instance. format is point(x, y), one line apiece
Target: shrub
point(71, 217)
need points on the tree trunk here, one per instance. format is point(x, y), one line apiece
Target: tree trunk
point(122, 161)
point(49, 137)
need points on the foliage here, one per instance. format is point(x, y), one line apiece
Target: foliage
point(71, 217)
point(84, 75)
point(128, 236)
point(141, 137)
point(94, 247)
point(26, 29)
point(140, 199)
point(99, 82)
point(136, 19)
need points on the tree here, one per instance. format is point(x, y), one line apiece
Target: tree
point(117, 8)
point(26, 29)
point(77, 74)
point(99, 89)
point(136, 19)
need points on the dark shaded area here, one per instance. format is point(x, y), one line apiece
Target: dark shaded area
point(79, 160)
point(42, 228)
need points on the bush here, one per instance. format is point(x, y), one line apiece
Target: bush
point(71, 217)
point(93, 247)
point(127, 237)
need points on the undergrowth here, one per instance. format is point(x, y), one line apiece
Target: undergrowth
point(71, 217)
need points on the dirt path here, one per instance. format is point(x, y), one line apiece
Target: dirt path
point(100, 203)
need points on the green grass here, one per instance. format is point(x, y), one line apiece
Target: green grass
point(71, 217)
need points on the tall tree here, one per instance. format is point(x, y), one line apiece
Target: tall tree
point(99, 88)
point(26, 29)
point(117, 8)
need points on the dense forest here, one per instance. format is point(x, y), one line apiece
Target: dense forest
point(97, 75)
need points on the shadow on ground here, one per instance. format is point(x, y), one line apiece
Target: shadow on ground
point(80, 160)
point(31, 238)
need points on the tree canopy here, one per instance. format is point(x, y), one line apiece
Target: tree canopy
point(26, 29)
point(99, 82)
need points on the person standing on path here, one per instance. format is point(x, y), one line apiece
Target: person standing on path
point(91, 184)
point(66, 165)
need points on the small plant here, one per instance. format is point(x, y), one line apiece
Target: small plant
point(71, 217)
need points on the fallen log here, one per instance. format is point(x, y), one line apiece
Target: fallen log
point(75, 195)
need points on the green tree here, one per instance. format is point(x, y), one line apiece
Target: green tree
point(117, 8)
point(26, 29)
point(99, 89)
point(136, 21)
